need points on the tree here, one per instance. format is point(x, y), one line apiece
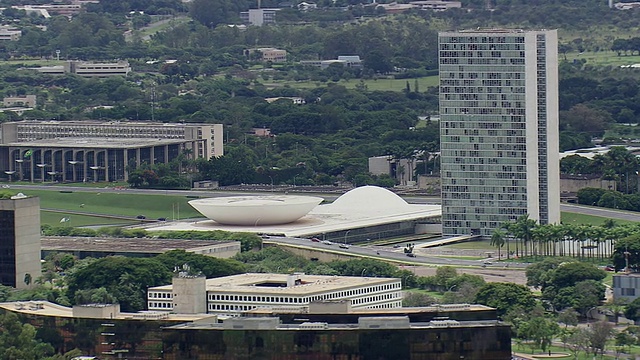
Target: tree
point(497, 240)
point(568, 317)
point(213, 12)
point(625, 339)
point(539, 274)
point(539, 331)
point(632, 310)
point(208, 266)
point(582, 118)
point(582, 297)
point(444, 277)
point(126, 279)
point(414, 298)
point(627, 250)
point(505, 296)
point(569, 274)
point(598, 334)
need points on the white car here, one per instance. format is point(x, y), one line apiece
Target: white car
point(327, 242)
point(344, 246)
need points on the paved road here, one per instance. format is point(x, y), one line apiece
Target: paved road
point(389, 253)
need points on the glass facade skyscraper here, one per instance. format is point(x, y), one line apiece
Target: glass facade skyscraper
point(498, 128)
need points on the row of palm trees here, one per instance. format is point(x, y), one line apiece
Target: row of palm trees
point(525, 237)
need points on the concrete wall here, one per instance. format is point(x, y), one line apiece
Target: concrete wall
point(575, 184)
point(319, 255)
point(189, 294)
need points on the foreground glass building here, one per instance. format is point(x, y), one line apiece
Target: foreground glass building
point(440, 332)
point(498, 128)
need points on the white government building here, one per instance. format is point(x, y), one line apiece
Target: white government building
point(231, 295)
point(498, 128)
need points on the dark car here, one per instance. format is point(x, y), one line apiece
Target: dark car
point(411, 255)
point(141, 217)
point(162, 219)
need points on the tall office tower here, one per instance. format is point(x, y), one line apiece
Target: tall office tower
point(19, 241)
point(498, 128)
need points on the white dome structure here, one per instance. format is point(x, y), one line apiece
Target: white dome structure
point(369, 198)
point(256, 210)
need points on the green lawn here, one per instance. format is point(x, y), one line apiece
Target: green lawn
point(151, 206)
point(581, 219)
point(53, 219)
point(378, 84)
point(603, 58)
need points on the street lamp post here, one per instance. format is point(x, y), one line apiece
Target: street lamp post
point(362, 273)
point(345, 236)
point(271, 182)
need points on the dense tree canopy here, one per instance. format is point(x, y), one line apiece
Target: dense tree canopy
point(505, 296)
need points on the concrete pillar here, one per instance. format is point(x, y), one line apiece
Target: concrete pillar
point(106, 165)
point(152, 155)
point(125, 158)
point(166, 154)
point(137, 157)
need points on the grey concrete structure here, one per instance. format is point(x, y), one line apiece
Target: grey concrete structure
point(498, 128)
point(79, 151)
point(626, 287)
point(19, 241)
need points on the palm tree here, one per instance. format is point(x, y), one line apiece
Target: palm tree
point(497, 240)
point(523, 230)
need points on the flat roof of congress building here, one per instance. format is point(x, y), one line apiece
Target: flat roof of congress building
point(254, 283)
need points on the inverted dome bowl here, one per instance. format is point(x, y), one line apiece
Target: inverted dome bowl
point(256, 210)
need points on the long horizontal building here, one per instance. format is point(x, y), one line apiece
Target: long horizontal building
point(84, 247)
point(80, 151)
point(87, 69)
point(326, 331)
point(233, 295)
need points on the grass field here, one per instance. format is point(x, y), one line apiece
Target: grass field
point(580, 219)
point(53, 219)
point(377, 84)
point(151, 206)
point(603, 58)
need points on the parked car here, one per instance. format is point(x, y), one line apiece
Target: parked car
point(344, 246)
point(314, 239)
point(327, 242)
point(162, 219)
point(411, 254)
point(141, 217)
